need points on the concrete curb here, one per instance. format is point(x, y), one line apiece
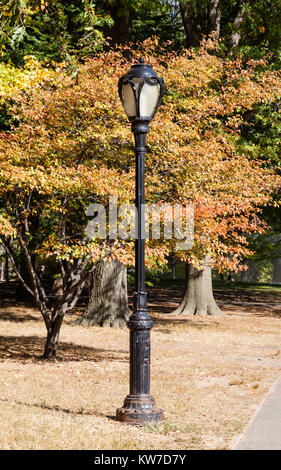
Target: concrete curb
point(264, 429)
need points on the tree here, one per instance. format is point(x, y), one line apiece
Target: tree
point(227, 209)
point(54, 30)
point(48, 172)
point(72, 145)
point(137, 21)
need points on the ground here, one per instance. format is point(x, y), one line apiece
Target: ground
point(208, 375)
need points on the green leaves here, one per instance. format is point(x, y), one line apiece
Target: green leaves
point(50, 30)
point(17, 37)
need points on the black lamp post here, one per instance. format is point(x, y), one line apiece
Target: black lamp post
point(140, 91)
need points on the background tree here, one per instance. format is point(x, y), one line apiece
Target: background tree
point(260, 132)
point(51, 30)
point(248, 27)
point(141, 19)
point(211, 128)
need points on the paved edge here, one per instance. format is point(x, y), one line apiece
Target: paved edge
point(263, 432)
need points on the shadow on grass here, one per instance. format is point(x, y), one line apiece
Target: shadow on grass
point(16, 317)
point(168, 322)
point(32, 347)
point(161, 308)
point(59, 409)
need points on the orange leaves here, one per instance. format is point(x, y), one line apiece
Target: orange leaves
point(244, 87)
point(72, 139)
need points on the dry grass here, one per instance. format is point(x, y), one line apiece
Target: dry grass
point(208, 375)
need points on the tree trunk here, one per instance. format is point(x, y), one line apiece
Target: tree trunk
point(108, 304)
point(2, 271)
point(214, 18)
point(252, 273)
point(276, 271)
point(198, 20)
point(120, 32)
point(4, 267)
point(57, 287)
point(6, 270)
point(237, 22)
point(198, 298)
point(52, 338)
point(191, 23)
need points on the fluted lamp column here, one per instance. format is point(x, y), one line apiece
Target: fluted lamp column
point(140, 91)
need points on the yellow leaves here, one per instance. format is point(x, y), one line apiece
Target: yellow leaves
point(13, 80)
point(6, 228)
point(73, 139)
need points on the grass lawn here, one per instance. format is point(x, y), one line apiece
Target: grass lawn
point(208, 375)
point(247, 286)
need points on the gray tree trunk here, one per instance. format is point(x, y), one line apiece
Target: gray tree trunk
point(108, 303)
point(276, 279)
point(191, 23)
point(2, 271)
point(57, 287)
point(198, 298)
point(252, 273)
point(237, 22)
point(214, 17)
point(4, 268)
point(198, 20)
point(121, 30)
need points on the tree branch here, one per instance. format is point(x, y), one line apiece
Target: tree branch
point(11, 256)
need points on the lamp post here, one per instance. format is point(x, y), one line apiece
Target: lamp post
point(140, 91)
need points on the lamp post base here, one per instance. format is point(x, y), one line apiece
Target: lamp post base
point(139, 410)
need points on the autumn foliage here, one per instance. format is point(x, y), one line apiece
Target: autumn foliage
point(69, 143)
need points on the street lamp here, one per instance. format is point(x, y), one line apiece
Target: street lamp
point(140, 91)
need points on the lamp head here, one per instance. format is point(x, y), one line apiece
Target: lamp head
point(141, 91)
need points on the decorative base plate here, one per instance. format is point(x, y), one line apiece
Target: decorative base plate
point(139, 410)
